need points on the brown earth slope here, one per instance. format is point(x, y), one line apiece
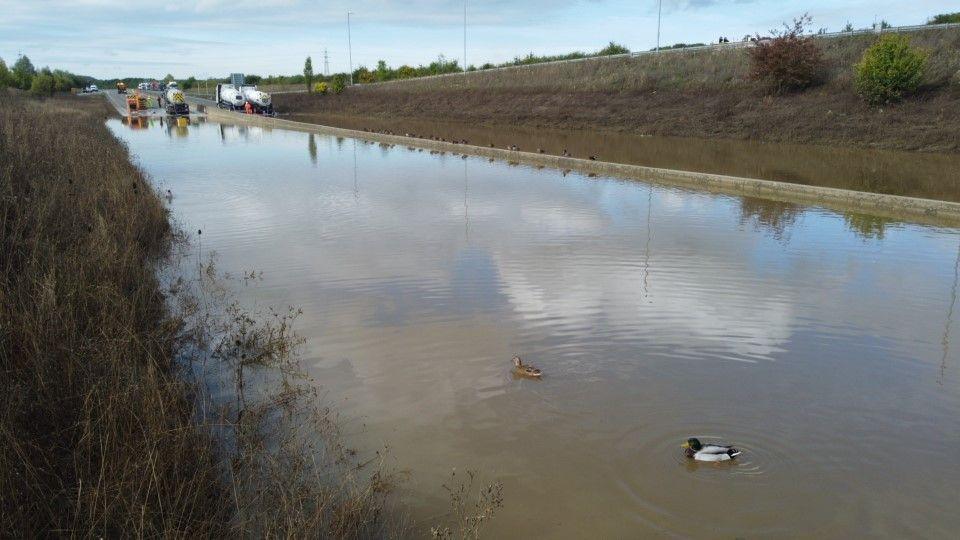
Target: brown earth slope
point(706, 94)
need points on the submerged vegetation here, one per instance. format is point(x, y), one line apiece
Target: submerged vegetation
point(141, 403)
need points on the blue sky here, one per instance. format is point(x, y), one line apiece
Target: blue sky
point(109, 38)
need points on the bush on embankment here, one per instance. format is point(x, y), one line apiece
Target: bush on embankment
point(890, 70)
point(790, 61)
point(705, 93)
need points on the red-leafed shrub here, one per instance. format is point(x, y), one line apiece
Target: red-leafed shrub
point(789, 61)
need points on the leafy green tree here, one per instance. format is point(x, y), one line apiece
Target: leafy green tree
point(168, 78)
point(406, 72)
point(42, 84)
point(363, 75)
point(6, 79)
point(308, 73)
point(23, 72)
point(613, 48)
point(890, 69)
point(63, 81)
point(383, 72)
point(339, 83)
point(945, 18)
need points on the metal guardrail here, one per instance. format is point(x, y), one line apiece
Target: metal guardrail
point(713, 46)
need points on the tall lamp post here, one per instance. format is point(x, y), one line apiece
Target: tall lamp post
point(350, 47)
point(659, 11)
point(464, 36)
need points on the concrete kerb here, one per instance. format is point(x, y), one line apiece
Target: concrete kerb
point(896, 207)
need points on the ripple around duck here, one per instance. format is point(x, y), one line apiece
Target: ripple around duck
point(763, 455)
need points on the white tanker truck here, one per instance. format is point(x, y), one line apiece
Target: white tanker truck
point(175, 101)
point(228, 97)
point(259, 100)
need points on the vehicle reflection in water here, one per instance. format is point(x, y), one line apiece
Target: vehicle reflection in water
point(817, 341)
point(240, 132)
point(137, 122)
point(932, 176)
point(174, 127)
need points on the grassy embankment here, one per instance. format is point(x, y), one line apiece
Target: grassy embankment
point(104, 429)
point(701, 93)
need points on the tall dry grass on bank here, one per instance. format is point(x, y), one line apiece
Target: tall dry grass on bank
point(96, 435)
point(103, 430)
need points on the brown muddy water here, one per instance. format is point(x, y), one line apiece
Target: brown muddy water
point(823, 344)
point(910, 174)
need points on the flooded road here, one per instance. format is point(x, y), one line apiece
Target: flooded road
point(822, 344)
point(910, 174)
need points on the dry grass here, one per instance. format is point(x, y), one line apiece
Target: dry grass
point(104, 431)
point(696, 93)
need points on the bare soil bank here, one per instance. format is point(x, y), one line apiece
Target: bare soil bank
point(702, 94)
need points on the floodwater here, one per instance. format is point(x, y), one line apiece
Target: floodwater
point(926, 175)
point(823, 344)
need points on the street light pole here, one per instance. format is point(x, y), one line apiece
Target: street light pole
point(350, 47)
point(659, 11)
point(464, 36)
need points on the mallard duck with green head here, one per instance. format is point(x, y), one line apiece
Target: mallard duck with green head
point(694, 449)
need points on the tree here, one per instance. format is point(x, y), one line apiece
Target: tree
point(848, 27)
point(6, 79)
point(945, 18)
point(383, 72)
point(43, 84)
point(339, 82)
point(613, 48)
point(23, 72)
point(363, 75)
point(169, 78)
point(308, 73)
point(63, 81)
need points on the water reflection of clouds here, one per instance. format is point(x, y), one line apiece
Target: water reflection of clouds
point(570, 256)
point(632, 297)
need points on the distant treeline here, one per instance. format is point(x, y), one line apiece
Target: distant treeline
point(440, 66)
point(41, 82)
point(945, 18)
